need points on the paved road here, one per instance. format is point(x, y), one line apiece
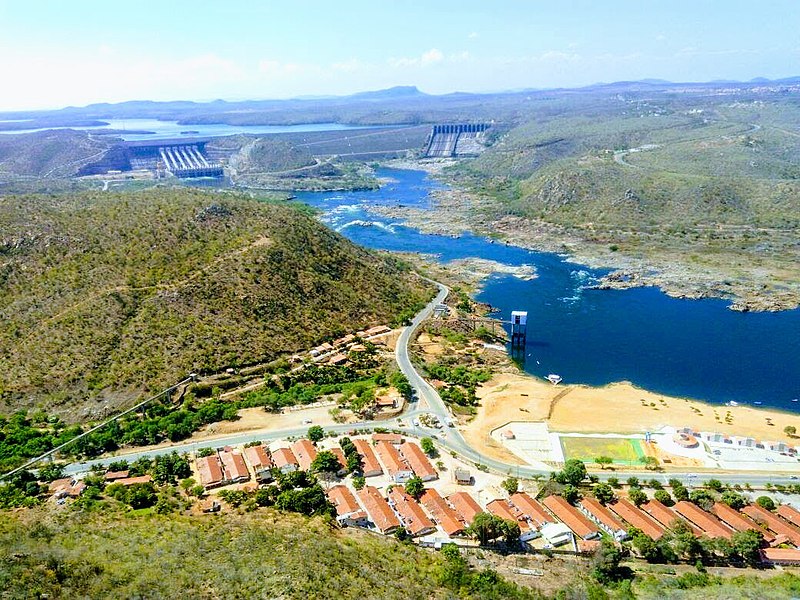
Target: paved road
point(428, 402)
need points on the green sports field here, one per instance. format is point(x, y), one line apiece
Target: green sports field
point(621, 450)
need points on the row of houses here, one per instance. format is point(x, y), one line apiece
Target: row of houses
point(226, 466)
point(454, 513)
point(404, 460)
point(741, 441)
point(350, 341)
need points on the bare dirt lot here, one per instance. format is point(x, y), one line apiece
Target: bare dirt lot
point(616, 408)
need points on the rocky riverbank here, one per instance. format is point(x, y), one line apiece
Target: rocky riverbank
point(672, 268)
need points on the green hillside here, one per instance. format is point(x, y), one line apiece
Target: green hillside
point(48, 154)
point(108, 295)
point(265, 554)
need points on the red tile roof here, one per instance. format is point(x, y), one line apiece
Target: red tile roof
point(368, 459)
point(283, 457)
point(789, 556)
point(710, 525)
point(378, 509)
point(414, 518)
point(111, 475)
point(392, 438)
point(258, 458)
point(666, 516)
point(233, 466)
point(733, 518)
point(531, 509)
point(601, 514)
point(418, 462)
point(337, 452)
point(639, 519)
point(305, 452)
point(465, 506)
point(507, 511)
point(391, 459)
point(209, 470)
point(441, 512)
point(571, 517)
point(126, 481)
point(789, 513)
point(772, 522)
point(343, 499)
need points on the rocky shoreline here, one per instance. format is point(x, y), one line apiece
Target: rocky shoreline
point(454, 212)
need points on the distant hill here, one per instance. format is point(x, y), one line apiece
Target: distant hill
point(104, 296)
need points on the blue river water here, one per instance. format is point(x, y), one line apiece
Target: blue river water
point(691, 348)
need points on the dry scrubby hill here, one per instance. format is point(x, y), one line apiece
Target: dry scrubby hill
point(106, 295)
point(693, 185)
point(54, 153)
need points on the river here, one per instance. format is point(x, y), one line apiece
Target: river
point(691, 348)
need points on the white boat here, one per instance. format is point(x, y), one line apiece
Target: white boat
point(731, 403)
point(554, 379)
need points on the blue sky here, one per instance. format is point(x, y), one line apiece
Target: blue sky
point(60, 53)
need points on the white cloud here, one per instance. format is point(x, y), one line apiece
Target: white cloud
point(426, 59)
point(431, 56)
point(473, 35)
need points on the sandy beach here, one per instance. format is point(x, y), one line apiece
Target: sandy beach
point(616, 408)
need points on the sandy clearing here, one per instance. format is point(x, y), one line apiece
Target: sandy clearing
point(616, 408)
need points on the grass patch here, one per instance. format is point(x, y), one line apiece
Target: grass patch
point(621, 450)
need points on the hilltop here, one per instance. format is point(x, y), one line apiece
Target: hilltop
point(105, 296)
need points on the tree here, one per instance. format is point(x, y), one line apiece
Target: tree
point(766, 502)
point(511, 532)
point(51, 472)
point(401, 533)
point(359, 482)
point(714, 484)
point(646, 547)
point(747, 545)
point(603, 492)
point(141, 495)
point(637, 496)
point(614, 482)
point(663, 497)
point(702, 498)
point(574, 472)
point(315, 433)
point(485, 527)
point(603, 461)
point(511, 485)
point(570, 493)
point(605, 563)
point(415, 487)
point(733, 499)
point(790, 430)
point(650, 463)
point(633, 481)
point(427, 446)
point(326, 462)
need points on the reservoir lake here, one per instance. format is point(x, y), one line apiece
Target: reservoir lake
point(690, 348)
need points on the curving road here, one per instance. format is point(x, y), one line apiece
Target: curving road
point(428, 402)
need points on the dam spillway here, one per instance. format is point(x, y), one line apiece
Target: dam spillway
point(455, 139)
point(183, 158)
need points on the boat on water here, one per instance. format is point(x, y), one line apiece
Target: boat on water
point(731, 403)
point(795, 399)
point(757, 403)
point(554, 379)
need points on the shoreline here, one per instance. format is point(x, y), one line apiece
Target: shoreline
point(616, 408)
point(454, 212)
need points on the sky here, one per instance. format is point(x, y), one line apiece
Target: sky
point(59, 53)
